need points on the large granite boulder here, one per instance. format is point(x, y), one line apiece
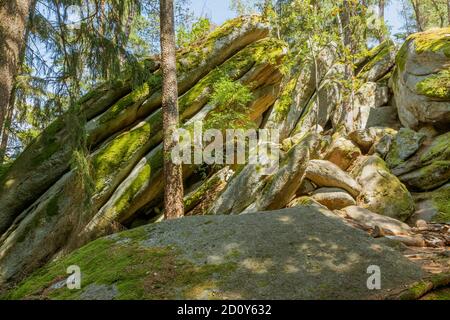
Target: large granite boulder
point(421, 81)
point(299, 253)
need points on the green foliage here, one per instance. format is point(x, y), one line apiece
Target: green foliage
point(231, 99)
point(67, 54)
point(230, 92)
point(197, 32)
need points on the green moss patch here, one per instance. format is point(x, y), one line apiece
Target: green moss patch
point(402, 54)
point(118, 152)
point(441, 201)
point(438, 150)
point(436, 86)
point(436, 40)
point(441, 294)
point(136, 272)
point(284, 102)
point(378, 54)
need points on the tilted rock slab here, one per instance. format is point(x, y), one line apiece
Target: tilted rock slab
point(127, 168)
point(109, 109)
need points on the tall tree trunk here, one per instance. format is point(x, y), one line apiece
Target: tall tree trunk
point(418, 14)
point(448, 11)
point(345, 30)
point(13, 23)
point(381, 16)
point(9, 114)
point(173, 195)
point(345, 24)
point(6, 130)
point(382, 6)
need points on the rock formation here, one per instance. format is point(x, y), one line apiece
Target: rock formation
point(390, 169)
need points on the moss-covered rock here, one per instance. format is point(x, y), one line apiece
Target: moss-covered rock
point(421, 79)
point(194, 63)
point(382, 192)
point(433, 206)
point(406, 143)
point(436, 86)
point(124, 180)
point(111, 108)
point(436, 150)
point(298, 253)
point(429, 177)
point(379, 61)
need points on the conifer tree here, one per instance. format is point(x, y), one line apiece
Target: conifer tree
point(173, 175)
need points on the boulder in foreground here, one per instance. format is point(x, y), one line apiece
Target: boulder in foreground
point(299, 253)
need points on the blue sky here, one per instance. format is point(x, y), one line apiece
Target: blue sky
point(219, 11)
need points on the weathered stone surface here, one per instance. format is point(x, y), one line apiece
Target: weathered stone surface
point(342, 152)
point(386, 116)
point(326, 174)
point(333, 198)
point(99, 292)
point(427, 178)
point(306, 187)
point(405, 144)
point(252, 187)
point(366, 138)
point(298, 253)
point(382, 192)
point(322, 105)
point(433, 206)
point(297, 92)
point(421, 80)
point(383, 146)
point(373, 220)
point(437, 150)
point(198, 201)
point(367, 99)
point(282, 186)
point(381, 61)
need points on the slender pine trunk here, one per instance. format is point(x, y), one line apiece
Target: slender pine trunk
point(382, 7)
point(345, 30)
point(448, 12)
point(173, 176)
point(418, 14)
